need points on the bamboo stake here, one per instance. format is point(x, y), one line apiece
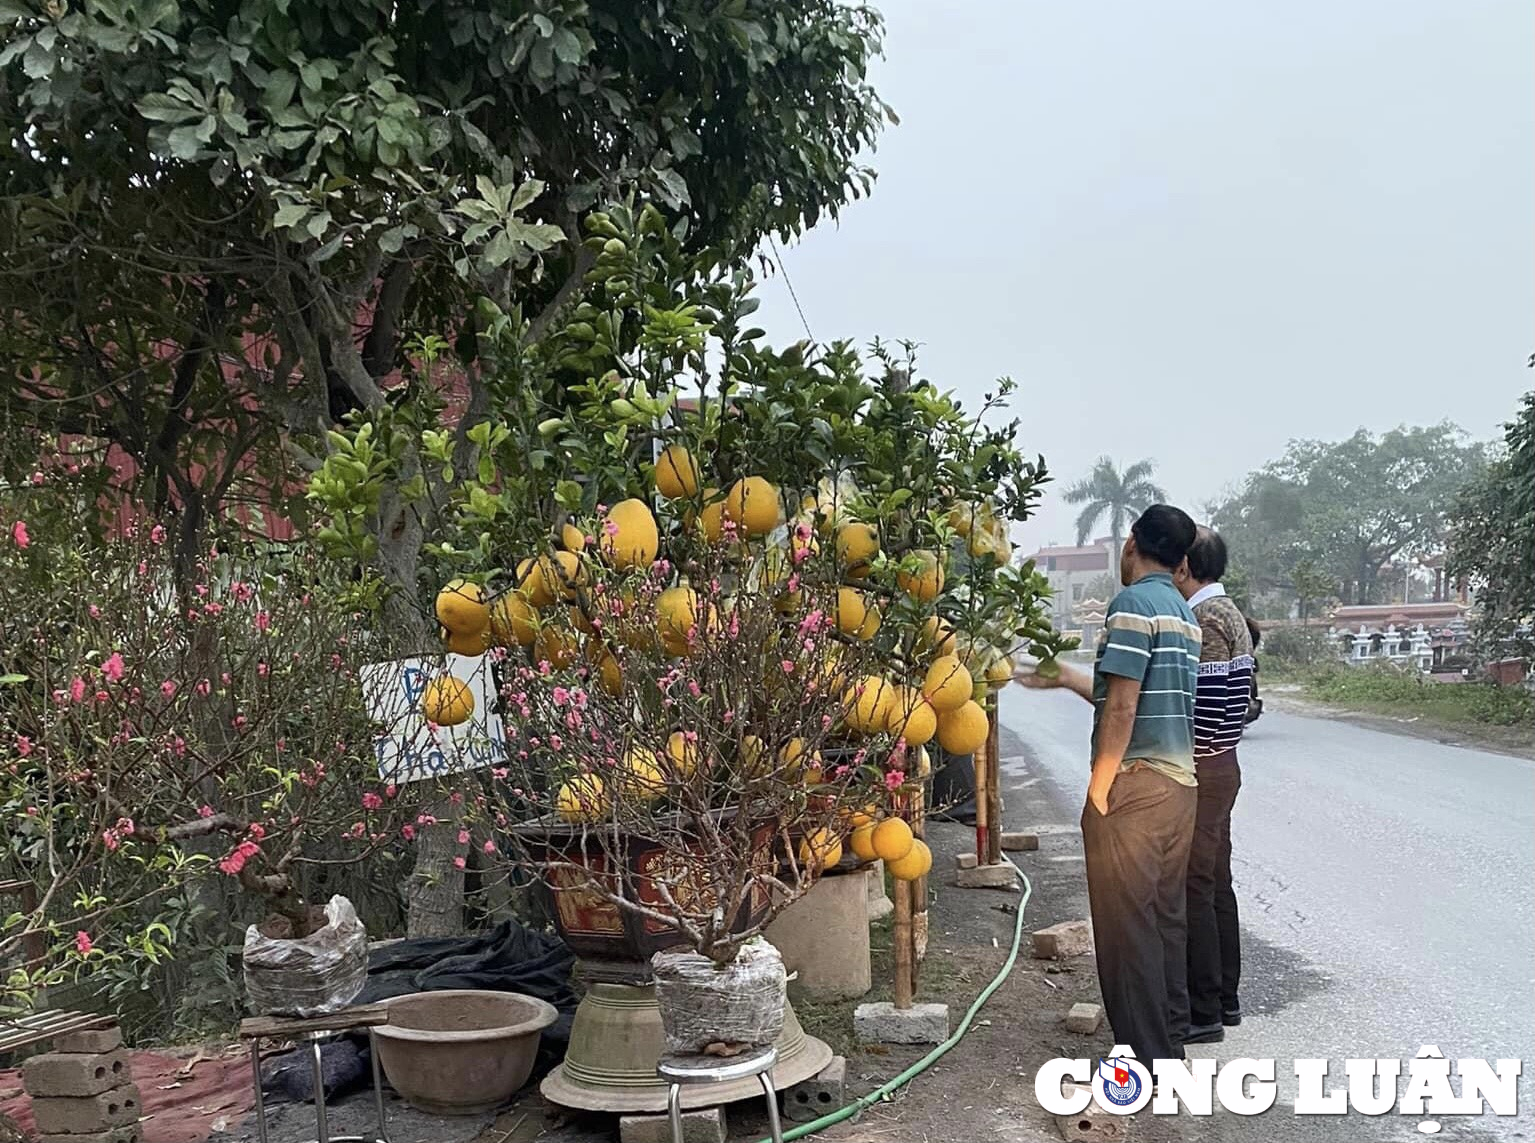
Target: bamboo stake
point(901, 939)
point(919, 886)
point(982, 800)
point(993, 783)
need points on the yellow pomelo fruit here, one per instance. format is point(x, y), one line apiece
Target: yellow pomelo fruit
point(820, 849)
point(447, 701)
point(676, 472)
point(465, 643)
point(795, 757)
point(512, 620)
point(753, 757)
point(937, 636)
point(461, 607)
point(892, 839)
point(551, 577)
point(861, 842)
point(926, 581)
point(572, 539)
point(999, 672)
point(915, 719)
point(629, 537)
point(852, 610)
point(610, 673)
point(871, 624)
point(556, 646)
point(681, 755)
point(947, 684)
point(856, 546)
point(641, 779)
point(869, 710)
point(915, 864)
point(676, 618)
point(752, 503)
point(582, 799)
point(580, 622)
point(962, 518)
point(962, 730)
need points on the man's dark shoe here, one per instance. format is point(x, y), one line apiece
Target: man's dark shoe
point(1231, 1018)
point(1204, 1034)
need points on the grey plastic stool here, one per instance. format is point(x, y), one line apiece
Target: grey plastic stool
point(680, 1070)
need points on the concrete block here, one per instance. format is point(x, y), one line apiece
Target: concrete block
point(96, 1041)
point(96, 1113)
point(130, 1134)
point(819, 1095)
point(999, 876)
point(73, 1075)
point(1084, 1018)
point(883, 1023)
point(1069, 938)
point(706, 1126)
point(964, 861)
point(824, 939)
point(1092, 1125)
point(1020, 842)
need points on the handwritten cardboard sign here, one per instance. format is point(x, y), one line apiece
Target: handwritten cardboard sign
point(406, 747)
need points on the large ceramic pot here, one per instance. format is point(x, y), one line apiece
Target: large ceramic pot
point(461, 1051)
point(594, 927)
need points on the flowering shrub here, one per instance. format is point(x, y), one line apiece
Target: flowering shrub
point(155, 732)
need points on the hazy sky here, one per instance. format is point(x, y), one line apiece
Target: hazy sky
point(1194, 231)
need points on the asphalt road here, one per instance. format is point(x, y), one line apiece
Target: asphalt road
point(1386, 888)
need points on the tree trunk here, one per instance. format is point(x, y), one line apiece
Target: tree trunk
point(434, 892)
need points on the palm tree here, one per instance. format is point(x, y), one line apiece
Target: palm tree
point(1120, 495)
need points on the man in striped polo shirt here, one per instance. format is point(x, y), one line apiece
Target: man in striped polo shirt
point(1139, 817)
point(1220, 714)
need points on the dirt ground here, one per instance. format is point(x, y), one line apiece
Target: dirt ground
point(1514, 740)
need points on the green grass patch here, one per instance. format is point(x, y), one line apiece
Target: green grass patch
point(1385, 690)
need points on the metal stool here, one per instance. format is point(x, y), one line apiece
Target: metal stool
point(679, 1070)
point(316, 1030)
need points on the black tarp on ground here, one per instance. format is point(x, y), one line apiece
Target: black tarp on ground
point(509, 958)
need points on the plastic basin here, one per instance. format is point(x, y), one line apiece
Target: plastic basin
point(461, 1051)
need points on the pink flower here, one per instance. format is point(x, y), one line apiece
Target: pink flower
point(77, 689)
point(556, 742)
point(238, 722)
point(788, 666)
point(263, 621)
point(83, 944)
point(205, 811)
point(371, 801)
point(408, 832)
point(19, 534)
point(204, 687)
point(463, 837)
point(93, 611)
point(112, 668)
point(23, 745)
point(459, 863)
point(490, 847)
point(168, 689)
point(37, 479)
point(257, 830)
point(157, 535)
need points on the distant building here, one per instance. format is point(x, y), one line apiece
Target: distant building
point(1430, 636)
point(1071, 571)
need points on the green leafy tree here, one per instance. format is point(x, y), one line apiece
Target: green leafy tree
point(219, 224)
point(1108, 493)
point(1345, 509)
point(1493, 539)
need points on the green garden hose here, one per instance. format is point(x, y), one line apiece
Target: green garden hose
point(937, 1053)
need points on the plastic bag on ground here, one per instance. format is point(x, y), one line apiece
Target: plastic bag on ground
point(721, 1010)
point(308, 976)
